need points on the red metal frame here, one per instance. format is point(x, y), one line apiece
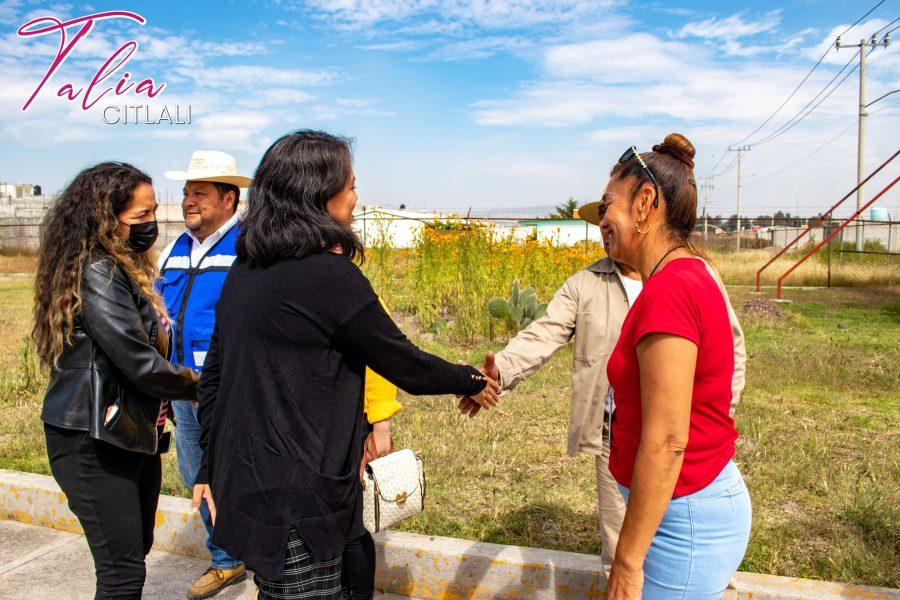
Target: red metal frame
point(819, 220)
point(836, 231)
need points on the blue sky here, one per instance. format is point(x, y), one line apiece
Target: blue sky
point(508, 105)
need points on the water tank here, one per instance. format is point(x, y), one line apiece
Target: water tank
point(878, 213)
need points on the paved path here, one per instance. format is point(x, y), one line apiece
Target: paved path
point(37, 563)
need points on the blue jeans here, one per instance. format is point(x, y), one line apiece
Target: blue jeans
point(700, 542)
point(187, 445)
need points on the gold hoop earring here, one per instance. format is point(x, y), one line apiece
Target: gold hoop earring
point(638, 229)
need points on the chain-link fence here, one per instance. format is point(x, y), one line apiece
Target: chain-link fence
point(23, 235)
point(876, 261)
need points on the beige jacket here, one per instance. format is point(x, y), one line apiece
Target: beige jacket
point(591, 306)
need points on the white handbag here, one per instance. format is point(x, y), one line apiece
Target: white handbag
point(394, 489)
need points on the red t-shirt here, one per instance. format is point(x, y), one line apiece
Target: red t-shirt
point(681, 299)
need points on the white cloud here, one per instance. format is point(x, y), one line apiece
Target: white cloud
point(506, 14)
point(355, 102)
point(547, 104)
point(280, 96)
point(632, 57)
point(853, 36)
point(527, 166)
point(728, 31)
point(478, 48)
point(641, 76)
point(240, 77)
point(216, 49)
point(342, 107)
point(641, 136)
point(735, 48)
point(731, 28)
point(235, 129)
point(523, 13)
point(9, 12)
point(399, 46)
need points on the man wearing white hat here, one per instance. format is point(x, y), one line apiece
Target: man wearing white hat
point(192, 270)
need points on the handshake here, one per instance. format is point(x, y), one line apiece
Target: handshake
point(489, 396)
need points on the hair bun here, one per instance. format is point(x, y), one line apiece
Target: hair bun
point(679, 147)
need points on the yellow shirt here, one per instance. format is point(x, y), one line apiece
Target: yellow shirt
point(380, 394)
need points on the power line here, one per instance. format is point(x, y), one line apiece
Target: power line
point(786, 169)
point(726, 169)
point(891, 105)
point(886, 26)
point(807, 76)
point(859, 20)
point(802, 115)
point(716, 166)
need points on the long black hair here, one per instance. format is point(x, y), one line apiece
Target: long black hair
point(287, 213)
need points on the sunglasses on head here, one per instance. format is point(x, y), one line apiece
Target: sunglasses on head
point(633, 153)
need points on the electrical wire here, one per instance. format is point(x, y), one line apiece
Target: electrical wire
point(859, 20)
point(716, 166)
point(726, 169)
point(786, 169)
point(891, 105)
point(886, 26)
point(802, 115)
point(807, 76)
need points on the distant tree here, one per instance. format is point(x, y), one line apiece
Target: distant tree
point(566, 210)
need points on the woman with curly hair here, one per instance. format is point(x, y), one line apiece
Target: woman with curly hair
point(99, 326)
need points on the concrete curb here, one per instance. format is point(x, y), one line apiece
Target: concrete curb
point(431, 568)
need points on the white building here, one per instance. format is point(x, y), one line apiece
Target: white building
point(393, 228)
point(19, 191)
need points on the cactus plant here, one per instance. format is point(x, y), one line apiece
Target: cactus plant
point(520, 310)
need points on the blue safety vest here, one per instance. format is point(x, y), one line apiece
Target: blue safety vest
point(191, 294)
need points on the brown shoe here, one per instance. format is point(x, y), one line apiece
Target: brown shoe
point(214, 581)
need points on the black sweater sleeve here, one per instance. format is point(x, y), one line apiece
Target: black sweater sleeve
point(207, 394)
point(372, 335)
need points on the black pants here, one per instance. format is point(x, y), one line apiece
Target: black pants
point(358, 559)
point(358, 569)
point(114, 493)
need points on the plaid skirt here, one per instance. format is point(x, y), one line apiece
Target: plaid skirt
point(303, 579)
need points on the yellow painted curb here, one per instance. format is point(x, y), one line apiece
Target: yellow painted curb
point(426, 567)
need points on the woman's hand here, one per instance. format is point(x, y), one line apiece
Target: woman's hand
point(467, 405)
point(202, 492)
point(381, 432)
point(624, 583)
point(486, 398)
point(377, 444)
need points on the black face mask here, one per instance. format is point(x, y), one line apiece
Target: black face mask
point(141, 236)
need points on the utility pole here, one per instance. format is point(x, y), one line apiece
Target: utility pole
point(863, 46)
point(706, 186)
point(740, 150)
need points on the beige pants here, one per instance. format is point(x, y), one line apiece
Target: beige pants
point(612, 508)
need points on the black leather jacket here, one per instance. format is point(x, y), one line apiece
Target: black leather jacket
point(118, 353)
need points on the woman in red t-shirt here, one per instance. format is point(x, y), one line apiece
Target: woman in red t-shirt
point(688, 518)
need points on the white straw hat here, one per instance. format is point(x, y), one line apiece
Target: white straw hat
point(209, 165)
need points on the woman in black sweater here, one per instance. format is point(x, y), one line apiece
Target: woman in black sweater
point(281, 396)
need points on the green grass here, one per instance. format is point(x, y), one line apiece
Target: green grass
point(820, 426)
